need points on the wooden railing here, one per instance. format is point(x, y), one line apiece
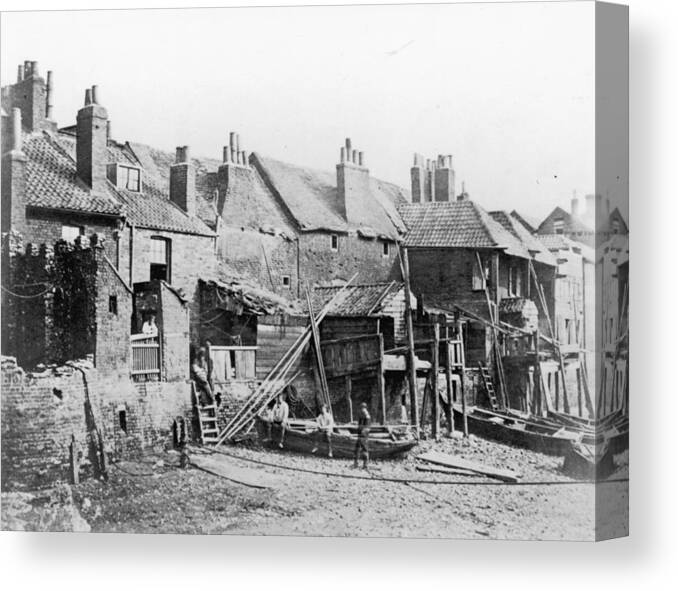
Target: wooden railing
point(145, 358)
point(233, 363)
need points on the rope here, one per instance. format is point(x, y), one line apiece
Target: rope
point(408, 481)
point(25, 297)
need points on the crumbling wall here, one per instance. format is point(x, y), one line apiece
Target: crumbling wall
point(43, 412)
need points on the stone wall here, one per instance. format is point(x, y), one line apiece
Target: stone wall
point(42, 412)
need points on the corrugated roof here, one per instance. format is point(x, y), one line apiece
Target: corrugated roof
point(355, 300)
point(312, 200)
point(540, 253)
point(51, 180)
point(456, 224)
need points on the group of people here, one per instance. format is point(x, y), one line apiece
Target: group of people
point(277, 419)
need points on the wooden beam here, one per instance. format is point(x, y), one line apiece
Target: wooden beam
point(411, 356)
point(349, 400)
point(449, 461)
point(449, 413)
point(435, 396)
point(462, 375)
point(318, 353)
point(381, 381)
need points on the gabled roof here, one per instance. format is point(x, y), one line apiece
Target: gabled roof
point(355, 300)
point(573, 223)
point(311, 198)
point(540, 253)
point(52, 183)
point(150, 208)
point(457, 224)
point(529, 222)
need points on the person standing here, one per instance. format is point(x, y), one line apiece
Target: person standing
point(325, 422)
point(150, 328)
point(201, 378)
point(280, 414)
point(362, 446)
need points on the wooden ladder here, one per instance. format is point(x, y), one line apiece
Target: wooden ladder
point(207, 419)
point(489, 385)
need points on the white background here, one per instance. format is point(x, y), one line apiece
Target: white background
point(646, 560)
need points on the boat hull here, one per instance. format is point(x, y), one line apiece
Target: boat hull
point(301, 437)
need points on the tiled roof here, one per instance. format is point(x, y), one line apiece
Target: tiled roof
point(529, 222)
point(456, 224)
point(356, 300)
point(51, 180)
point(555, 242)
point(311, 198)
point(572, 222)
point(150, 208)
point(540, 253)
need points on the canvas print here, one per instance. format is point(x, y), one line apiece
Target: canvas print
point(317, 271)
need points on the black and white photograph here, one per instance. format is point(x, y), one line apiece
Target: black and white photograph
point(327, 271)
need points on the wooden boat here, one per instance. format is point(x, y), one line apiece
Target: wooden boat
point(385, 441)
point(541, 435)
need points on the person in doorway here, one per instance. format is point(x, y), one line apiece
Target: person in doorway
point(201, 378)
point(325, 422)
point(150, 328)
point(279, 418)
point(362, 446)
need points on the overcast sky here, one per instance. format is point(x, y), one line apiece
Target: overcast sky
point(507, 89)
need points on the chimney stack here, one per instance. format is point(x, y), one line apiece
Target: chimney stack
point(92, 145)
point(432, 179)
point(30, 94)
point(353, 182)
point(182, 181)
point(444, 179)
point(13, 176)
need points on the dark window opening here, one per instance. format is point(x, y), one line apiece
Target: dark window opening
point(386, 249)
point(122, 420)
point(113, 304)
point(161, 259)
point(286, 281)
point(334, 241)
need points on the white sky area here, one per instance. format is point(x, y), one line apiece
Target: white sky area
point(507, 89)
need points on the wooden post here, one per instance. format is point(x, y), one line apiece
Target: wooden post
point(537, 375)
point(435, 397)
point(411, 357)
point(580, 409)
point(75, 461)
point(381, 382)
point(462, 375)
point(349, 387)
point(318, 353)
point(449, 413)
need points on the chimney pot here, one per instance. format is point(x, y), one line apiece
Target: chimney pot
point(88, 97)
point(20, 73)
point(348, 147)
point(244, 158)
point(361, 159)
point(226, 154)
point(342, 154)
point(237, 142)
point(27, 69)
point(34, 69)
point(95, 100)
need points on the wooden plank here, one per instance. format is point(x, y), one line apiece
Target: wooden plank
point(221, 466)
point(435, 397)
point(443, 470)
point(448, 383)
point(381, 382)
point(450, 461)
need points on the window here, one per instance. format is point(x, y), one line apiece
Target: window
point(130, 178)
point(70, 233)
point(286, 281)
point(479, 277)
point(122, 419)
point(113, 304)
point(386, 249)
point(515, 286)
point(334, 241)
point(161, 258)
point(558, 226)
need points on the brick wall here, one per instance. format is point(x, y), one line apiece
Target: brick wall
point(41, 412)
point(192, 258)
point(174, 323)
point(320, 264)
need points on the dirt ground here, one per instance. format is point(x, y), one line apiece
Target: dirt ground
point(154, 495)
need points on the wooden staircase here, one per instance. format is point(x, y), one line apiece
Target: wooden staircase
point(208, 426)
point(489, 385)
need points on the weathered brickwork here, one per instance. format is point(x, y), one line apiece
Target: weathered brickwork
point(41, 412)
point(320, 263)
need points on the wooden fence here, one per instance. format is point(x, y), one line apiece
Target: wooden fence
point(145, 358)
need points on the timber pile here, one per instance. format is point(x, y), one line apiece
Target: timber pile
point(277, 380)
point(453, 462)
